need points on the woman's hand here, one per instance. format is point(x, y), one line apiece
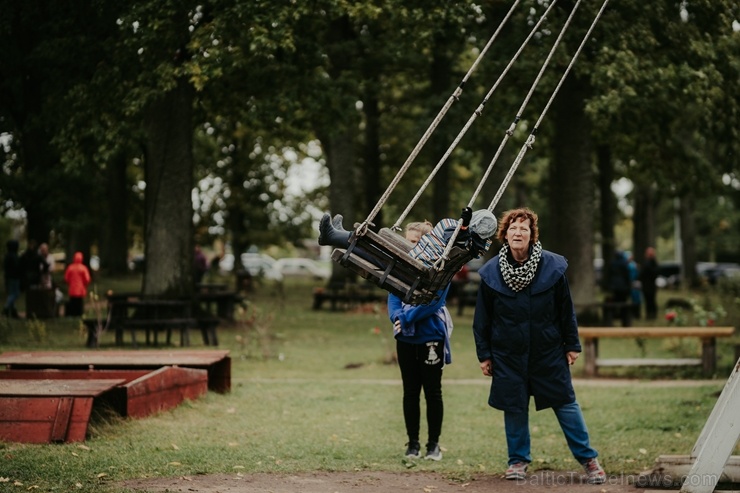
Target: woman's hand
point(486, 367)
point(572, 357)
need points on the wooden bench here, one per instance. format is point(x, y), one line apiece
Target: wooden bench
point(707, 335)
point(346, 296)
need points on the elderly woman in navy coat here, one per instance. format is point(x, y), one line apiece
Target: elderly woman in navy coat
point(526, 336)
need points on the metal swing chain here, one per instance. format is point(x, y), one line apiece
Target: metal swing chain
point(362, 228)
point(530, 140)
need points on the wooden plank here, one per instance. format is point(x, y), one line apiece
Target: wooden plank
point(671, 470)
point(56, 388)
point(36, 419)
point(60, 423)
point(649, 362)
point(649, 332)
point(111, 359)
point(61, 374)
point(217, 362)
point(164, 389)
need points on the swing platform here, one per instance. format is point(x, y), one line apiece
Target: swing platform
point(383, 259)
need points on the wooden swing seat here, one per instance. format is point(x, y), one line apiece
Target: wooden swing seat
point(383, 259)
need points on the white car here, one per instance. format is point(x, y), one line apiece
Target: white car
point(301, 267)
point(261, 265)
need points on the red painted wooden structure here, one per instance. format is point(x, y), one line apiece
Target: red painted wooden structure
point(48, 396)
point(42, 411)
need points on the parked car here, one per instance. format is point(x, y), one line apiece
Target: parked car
point(669, 275)
point(256, 264)
point(261, 265)
point(301, 267)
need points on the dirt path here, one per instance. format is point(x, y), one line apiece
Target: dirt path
point(378, 482)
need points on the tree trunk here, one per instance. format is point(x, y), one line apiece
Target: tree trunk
point(341, 161)
point(114, 232)
point(168, 233)
point(439, 77)
point(688, 245)
point(571, 199)
point(372, 148)
point(40, 193)
point(607, 203)
point(643, 219)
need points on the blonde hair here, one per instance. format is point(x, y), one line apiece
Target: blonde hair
point(423, 227)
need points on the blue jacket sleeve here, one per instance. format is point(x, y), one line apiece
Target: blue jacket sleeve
point(410, 314)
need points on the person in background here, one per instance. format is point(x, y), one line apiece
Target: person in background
point(526, 338)
point(200, 265)
point(13, 273)
point(32, 265)
point(422, 345)
point(648, 275)
point(77, 277)
point(47, 266)
point(618, 286)
point(635, 285)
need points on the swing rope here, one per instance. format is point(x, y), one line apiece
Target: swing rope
point(385, 263)
point(530, 140)
point(455, 96)
point(470, 121)
point(439, 264)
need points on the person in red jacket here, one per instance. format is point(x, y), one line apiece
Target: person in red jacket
point(77, 277)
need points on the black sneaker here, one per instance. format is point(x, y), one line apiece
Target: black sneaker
point(413, 451)
point(433, 451)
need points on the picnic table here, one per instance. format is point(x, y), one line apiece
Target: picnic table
point(132, 312)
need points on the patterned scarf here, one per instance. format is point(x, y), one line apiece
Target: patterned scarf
point(518, 278)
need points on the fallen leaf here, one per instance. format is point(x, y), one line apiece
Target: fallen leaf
point(78, 485)
point(174, 463)
point(4, 480)
point(34, 487)
point(75, 454)
point(174, 446)
point(17, 483)
point(83, 447)
point(102, 475)
point(643, 451)
point(459, 462)
point(231, 410)
point(238, 467)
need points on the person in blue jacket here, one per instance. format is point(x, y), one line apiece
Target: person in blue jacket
point(422, 335)
point(526, 337)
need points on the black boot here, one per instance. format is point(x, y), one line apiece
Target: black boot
point(329, 235)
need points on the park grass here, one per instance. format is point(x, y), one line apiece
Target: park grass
point(316, 390)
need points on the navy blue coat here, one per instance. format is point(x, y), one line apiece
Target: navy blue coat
point(526, 335)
